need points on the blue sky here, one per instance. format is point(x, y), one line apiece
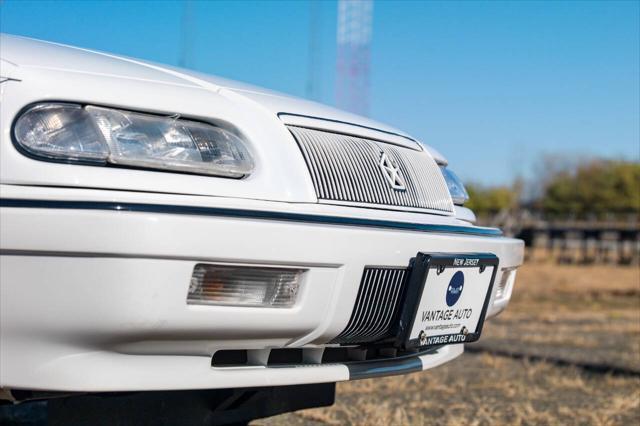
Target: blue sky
point(493, 85)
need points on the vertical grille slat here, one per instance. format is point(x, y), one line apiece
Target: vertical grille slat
point(398, 282)
point(377, 304)
point(357, 313)
point(383, 304)
point(386, 304)
point(346, 169)
point(371, 307)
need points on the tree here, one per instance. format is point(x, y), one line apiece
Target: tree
point(486, 201)
point(593, 188)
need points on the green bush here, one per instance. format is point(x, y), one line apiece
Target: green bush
point(491, 200)
point(595, 188)
point(592, 189)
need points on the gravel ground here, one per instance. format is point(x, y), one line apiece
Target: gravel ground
point(562, 321)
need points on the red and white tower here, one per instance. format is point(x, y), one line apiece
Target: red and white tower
point(354, 40)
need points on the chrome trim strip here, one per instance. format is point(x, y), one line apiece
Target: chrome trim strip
point(346, 128)
point(249, 214)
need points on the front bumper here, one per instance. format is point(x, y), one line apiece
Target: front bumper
point(94, 299)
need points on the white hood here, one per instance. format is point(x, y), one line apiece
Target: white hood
point(17, 52)
point(25, 52)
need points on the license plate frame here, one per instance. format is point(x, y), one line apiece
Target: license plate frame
point(420, 268)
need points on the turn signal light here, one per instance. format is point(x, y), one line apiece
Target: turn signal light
point(503, 291)
point(244, 286)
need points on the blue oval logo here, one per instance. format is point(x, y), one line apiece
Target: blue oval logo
point(454, 290)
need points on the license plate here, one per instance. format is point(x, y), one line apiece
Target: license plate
point(450, 293)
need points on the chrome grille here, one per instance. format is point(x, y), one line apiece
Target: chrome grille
point(347, 170)
point(376, 306)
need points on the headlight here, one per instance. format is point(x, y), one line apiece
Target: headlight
point(70, 132)
point(456, 188)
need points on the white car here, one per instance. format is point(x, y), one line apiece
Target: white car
point(166, 230)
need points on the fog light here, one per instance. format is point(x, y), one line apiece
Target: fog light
point(505, 284)
point(244, 286)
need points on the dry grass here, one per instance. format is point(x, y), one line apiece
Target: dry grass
point(588, 314)
point(582, 314)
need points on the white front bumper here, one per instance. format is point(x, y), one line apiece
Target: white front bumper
point(95, 300)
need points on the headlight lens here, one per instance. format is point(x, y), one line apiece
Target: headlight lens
point(456, 188)
point(104, 135)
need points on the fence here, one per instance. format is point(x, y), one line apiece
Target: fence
point(573, 241)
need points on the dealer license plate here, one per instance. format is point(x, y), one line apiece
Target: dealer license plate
point(452, 293)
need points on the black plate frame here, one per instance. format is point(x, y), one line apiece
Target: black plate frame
point(419, 269)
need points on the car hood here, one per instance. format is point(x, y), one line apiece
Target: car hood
point(17, 52)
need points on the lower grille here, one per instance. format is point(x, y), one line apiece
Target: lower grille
point(376, 306)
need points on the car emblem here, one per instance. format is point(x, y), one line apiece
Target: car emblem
point(454, 290)
point(392, 173)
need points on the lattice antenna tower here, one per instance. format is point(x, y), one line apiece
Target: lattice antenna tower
point(354, 52)
point(314, 67)
point(186, 34)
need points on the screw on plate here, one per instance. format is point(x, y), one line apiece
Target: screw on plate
point(440, 269)
point(464, 331)
point(423, 338)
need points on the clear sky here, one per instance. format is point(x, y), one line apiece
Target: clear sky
point(492, 85)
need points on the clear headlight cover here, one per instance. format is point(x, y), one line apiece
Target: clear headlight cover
point(60, 131)
point(456, 188)
point(71, 132)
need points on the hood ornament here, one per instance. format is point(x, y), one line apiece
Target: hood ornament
point(392, 173)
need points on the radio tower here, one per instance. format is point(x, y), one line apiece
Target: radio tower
point(186, 34)
point(354, 40)
point(313, 79)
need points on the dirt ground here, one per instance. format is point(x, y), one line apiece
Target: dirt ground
point(566, 351)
